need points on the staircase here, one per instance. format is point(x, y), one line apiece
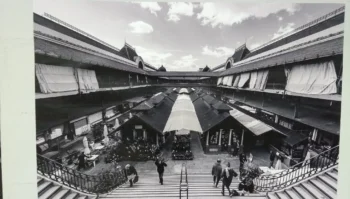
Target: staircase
point(322, 186)
point(200, 186)
point(48, 189)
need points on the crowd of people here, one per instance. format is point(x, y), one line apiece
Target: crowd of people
point(247, 173)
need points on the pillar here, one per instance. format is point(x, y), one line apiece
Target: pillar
point(163, 139)
point(229, 147)
point(220, 137)
point(157, 139)
point(207, 143)
point(134, 134)
point(144, 134)
point(242, 137)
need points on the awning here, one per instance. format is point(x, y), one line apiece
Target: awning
point(255, 126)
point(183, 116)
point(295, 138)
point(183, 90)
point(182, 132)
point(136, 99)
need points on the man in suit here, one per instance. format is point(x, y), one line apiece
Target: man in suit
point(160, 169)
point(216, 172)
point(227, 176)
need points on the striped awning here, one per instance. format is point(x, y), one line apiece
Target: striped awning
point(255, 126)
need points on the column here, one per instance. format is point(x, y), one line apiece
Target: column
point(134, 134)
point(157, 139)
point(144, 134)
point(207, 143)
point(230, 137)
point(242, 137)
point(220, 137)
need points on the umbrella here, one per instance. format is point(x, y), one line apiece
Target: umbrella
point(105, 133)
point(86, 146)
point(116, 125)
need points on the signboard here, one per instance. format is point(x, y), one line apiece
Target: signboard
point(213, 150)
point(138, 126)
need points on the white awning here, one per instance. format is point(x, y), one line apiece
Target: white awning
point(183, 116)
point(183, 90)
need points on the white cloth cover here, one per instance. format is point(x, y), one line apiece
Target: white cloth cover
point(56, 131)
point(278, 165)
point(87, 79)
point(219, 81)
point(261, 79)
point(235, 83)
point(316, 78)
point(116, 124)
point(229, 81)
point(224, 81)
point(183, 116)
point(253, 78)
point(105, 133)
point(244, 77)
point(85, 142)
point(54, 79)
point(95, 117)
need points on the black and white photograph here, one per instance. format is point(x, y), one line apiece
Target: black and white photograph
point(191, 100)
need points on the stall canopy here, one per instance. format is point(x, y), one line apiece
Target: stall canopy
point(295, 138)
point(182, 132)
point(183, 90)
point(183, 116)
point(255, 126)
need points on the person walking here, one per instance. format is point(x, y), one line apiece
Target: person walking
point(160, 169)
point(227, 176)
point(131, 174)
point(216, 172)
point(242, 160)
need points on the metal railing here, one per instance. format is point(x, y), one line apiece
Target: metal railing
point(92, 184)
point(183, 182)
point(297, 173)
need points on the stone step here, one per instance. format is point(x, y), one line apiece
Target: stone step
point(333, 175)
point(272, 196)
point(50, 192)
point(303, 193)
point(61, 194)
point(282, 195)
point(329, 181)
point(292, 194)
point(43, 186)
point(72, 195)
point(312, 190)
point(326, 190)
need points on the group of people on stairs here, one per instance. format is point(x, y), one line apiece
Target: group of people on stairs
point(247, 173)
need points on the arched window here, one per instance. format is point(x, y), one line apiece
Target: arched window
point(228, 65)
point(140, 65)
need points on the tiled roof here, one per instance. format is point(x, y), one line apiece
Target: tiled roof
point(157, 117)
point(207, 116)
point(66, 51)
point(321, 47)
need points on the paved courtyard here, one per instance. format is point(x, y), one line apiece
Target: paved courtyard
point(202, 163)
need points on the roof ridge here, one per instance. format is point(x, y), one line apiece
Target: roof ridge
point(292, 47)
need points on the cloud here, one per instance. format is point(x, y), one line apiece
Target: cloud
point(152, 57)
point(140, 27)
point(153, 7)
point(218, 52)
point(280, 18)
point(185, 63)
point(283, 30)
point(229, 13)
point(180, 8)
point(255, 45)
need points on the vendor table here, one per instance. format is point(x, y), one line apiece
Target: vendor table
point(93, 159)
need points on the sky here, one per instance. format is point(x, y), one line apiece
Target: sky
point(184, 36)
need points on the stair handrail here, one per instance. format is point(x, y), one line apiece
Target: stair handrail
point(91, 184)
point(300, 171)
point(183, 185)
